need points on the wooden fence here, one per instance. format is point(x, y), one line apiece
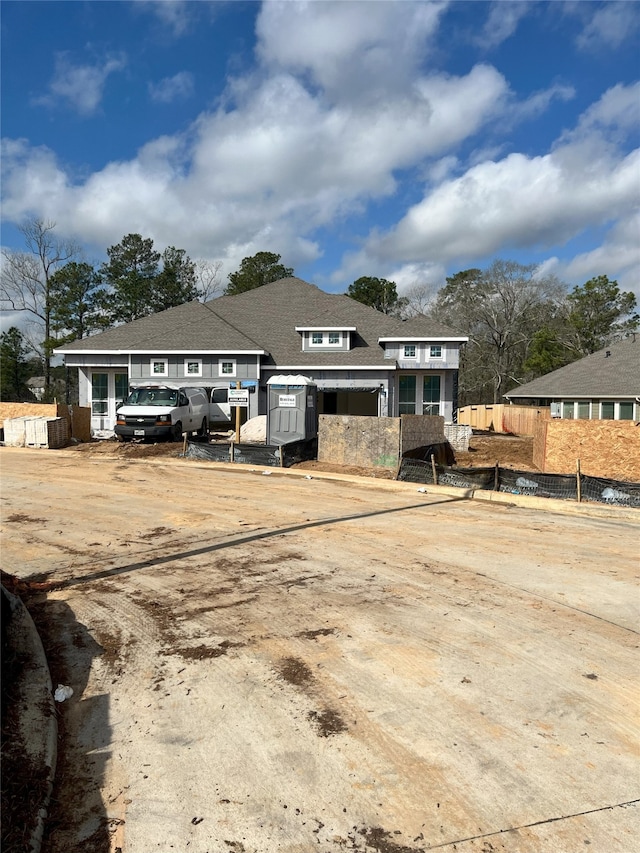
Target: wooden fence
point(519, 420)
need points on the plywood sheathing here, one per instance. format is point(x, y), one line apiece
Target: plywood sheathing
point(362, 441)
point(79, 417)
point(373, 442)
point(609, 449)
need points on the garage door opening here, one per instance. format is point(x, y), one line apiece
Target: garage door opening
point(351, 402)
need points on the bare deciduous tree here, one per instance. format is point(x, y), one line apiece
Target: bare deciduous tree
point(208, 276)
point(25, 281)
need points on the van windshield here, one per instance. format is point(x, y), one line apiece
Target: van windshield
point(152, 397)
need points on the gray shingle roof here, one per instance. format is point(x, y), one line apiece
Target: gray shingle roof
point(264, 319)
point(595, 376)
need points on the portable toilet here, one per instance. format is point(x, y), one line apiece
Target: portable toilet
point(292, 411)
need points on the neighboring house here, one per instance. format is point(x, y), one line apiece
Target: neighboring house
point(37, 386)
point(602, 386)
point(362, 361)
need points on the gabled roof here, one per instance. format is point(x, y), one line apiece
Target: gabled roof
point(264, 319)
point(610, 372)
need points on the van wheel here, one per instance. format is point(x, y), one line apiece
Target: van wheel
point(204, 429)
point(176, 433)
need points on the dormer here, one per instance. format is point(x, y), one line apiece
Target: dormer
point(430, 353)
point(326, 338)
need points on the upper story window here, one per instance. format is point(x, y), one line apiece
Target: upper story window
point(193, 367)
point(326, 339)
point(227, 367)
point(410, 351)
point(329, 337)
point(159, 367)
point(435, 351)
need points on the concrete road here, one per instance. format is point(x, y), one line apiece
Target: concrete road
point(274, 663)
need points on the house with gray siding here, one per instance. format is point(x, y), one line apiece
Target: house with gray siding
point(362, 361)
point(602, 386)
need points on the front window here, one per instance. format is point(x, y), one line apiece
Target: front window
point(193, 367)
point(317, 338)
point(431, 395)
point(567, 411)
point(409, 350)
point(99, 393)
point(407, 395)
point(435, 351)
point(227, 368)
point(159, 367)
point(335, 338)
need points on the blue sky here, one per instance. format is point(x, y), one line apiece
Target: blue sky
point(397, 139)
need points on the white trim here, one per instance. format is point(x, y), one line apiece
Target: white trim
point(150, 352)
point(222, 361)
point(343, 366)
point(188, 361)
point(422, 339)
point(406, 357)
point(153, 361)
point(325, 328)
point(326, 334)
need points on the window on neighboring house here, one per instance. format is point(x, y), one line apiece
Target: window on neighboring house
point(407, 395)
point(625, 412)
point(583, 410)
point(568, 411)
point(192, 367)
point(435, 351)
point(410, 351)
point(317, 338)
point(160, 367)
point(335, 338)
point(99, 393)
point(607, 411)
point(431, 395)
point(227, 367)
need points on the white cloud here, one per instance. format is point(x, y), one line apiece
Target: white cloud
point(523, 201)
point(610, 26)
point(352, 50)
point(80, 86)
point(172, 88)
point(282, 156)
point(502, 22)
point(172, 14)
point(618, 257)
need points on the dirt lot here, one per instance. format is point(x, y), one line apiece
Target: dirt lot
point(275, 663)
point(510, 451)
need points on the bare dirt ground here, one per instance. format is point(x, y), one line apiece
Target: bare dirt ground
point(274, 663)
point(509, 451)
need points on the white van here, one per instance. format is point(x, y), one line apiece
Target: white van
point(162, 411)
point(220, 410)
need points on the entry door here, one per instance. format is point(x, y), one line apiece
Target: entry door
point(108, 391)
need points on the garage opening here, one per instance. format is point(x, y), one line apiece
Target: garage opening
point(361, 401)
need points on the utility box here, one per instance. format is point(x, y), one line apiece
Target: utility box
point(292, 410)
